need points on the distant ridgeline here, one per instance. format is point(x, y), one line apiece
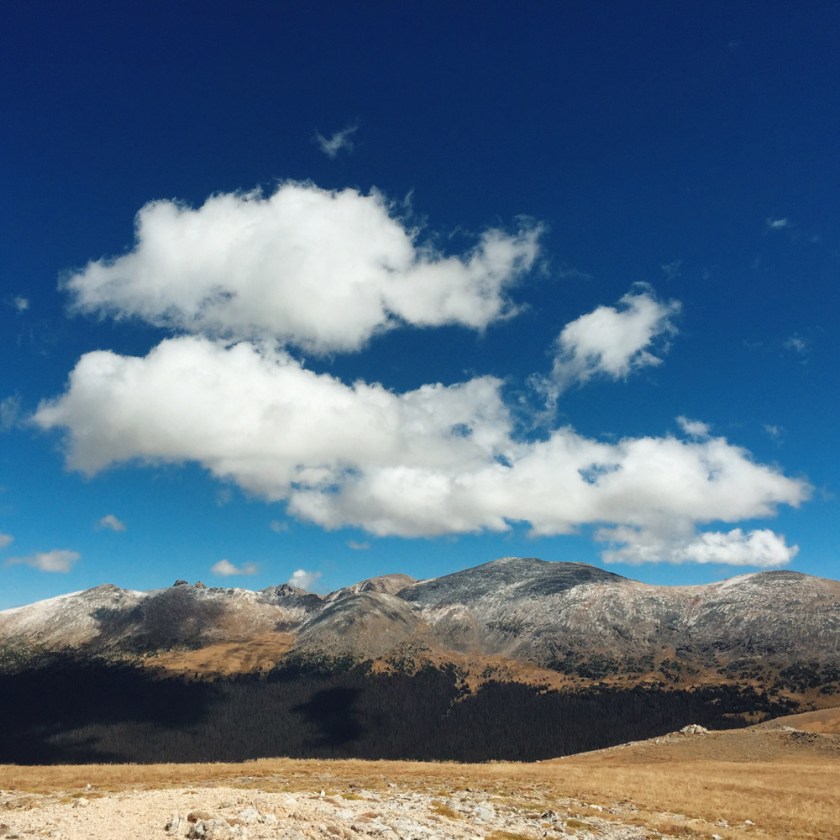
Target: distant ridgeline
point(516, 659)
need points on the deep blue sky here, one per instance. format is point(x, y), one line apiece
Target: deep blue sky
point(692, 147)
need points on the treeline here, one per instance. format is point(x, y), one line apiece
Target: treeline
point(74, 713)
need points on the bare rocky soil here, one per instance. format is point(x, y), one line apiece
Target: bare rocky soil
point(223, 813)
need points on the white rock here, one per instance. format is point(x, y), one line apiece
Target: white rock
point(177, 825)
point(485, 812)
point(249, 815)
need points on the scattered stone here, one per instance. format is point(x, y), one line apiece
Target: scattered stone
point(694, 729)
point(195, 816)
point(177, 825)
point(484, 812)
point(250, 815)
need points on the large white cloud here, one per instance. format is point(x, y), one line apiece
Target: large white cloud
point(761, 547)
point(612, 341)
point(436, 460)
point(253, 277)
point(317, 269)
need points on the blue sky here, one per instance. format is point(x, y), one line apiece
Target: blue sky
point(318, 292)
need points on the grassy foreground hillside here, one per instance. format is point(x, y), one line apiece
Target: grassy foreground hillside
point(756, 783)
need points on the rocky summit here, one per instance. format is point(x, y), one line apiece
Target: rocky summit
point(517, 633)
point(567, 618)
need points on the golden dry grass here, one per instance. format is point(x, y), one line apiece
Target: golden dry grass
point(684, 786)
point(257, 653)
point(826, 721)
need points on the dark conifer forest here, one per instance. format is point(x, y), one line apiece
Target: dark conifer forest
point(74, 712)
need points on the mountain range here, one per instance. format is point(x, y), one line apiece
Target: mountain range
point(494, 639)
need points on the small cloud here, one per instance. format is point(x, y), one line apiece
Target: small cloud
point(58, 560)
point(672, 270)
point(611, 341)
point(10, 412)
point(797, 344)
point(358, 546)
point(224, 568)
point(693, 428)
point(111, 523)
point(20, 303)
point(278, 526)
point(224, 496)
point(777, 224)
point(333, 144)
point(6, 539)
point(301, 579)
point(775, 432)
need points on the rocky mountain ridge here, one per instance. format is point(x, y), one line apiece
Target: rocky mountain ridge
point(562, 618)
point(516, 659)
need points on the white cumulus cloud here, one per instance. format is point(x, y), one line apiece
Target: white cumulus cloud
point(111, 523)
point(309, 267)
point(612, 341)
point(435, 460)
point(760, 548)
point(224, 568)
point(6, 539)
point(247, 280)
point(301, 579)
point(57, 560)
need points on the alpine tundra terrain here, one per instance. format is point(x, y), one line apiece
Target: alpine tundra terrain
point(514, 659)
point(756, 784)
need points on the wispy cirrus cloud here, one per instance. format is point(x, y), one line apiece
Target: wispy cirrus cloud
point(797, 344)
point(338, 141)
point(10, 412)
point(777, 223)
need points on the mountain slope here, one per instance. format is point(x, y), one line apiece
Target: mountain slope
point(518, 658)
point(774, 629)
